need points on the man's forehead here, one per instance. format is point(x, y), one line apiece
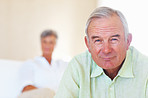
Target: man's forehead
point(98, 25)
point(103, 21)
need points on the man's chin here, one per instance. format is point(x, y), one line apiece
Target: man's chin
point(108, 65)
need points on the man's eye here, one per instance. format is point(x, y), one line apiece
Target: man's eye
point(114, 39)
point(98, 40)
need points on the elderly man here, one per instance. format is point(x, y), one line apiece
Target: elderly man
point(111, 68)
point(43, 71)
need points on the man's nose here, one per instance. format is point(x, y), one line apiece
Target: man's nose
point(106, 48)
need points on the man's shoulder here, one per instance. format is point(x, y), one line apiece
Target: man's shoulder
point(138, 57)
point(83, 56)
point(83, 59)
point(140, 61)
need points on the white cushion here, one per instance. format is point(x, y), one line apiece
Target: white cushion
point(9, 78)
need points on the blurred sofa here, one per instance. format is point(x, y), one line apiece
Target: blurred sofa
point(9, 82)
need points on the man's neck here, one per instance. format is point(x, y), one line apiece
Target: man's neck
point(112, 73)
point(48, 58)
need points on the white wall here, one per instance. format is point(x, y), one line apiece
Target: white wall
point(136, 13)
point(22, 21)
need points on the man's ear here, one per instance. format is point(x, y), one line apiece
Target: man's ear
point(129, 40)
point(87, 43)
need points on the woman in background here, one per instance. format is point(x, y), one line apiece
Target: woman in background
point(43, 71)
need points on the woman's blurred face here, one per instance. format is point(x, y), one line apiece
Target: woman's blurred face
point(47, 44)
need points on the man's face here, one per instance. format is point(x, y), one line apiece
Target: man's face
point(48, 43)
point(107, 43)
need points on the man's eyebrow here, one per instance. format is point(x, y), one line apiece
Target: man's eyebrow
point(117, 35)
point(93, 37)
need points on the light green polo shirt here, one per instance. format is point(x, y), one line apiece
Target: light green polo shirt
point(83, 78)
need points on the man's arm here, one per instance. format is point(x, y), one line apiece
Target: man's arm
point(69, 85)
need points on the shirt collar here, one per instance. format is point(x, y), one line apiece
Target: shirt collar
point(42, 60)
point(96, 70)
point(125, 71)
point(127, 67)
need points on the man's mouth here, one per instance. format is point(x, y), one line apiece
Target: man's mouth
point(107, 58)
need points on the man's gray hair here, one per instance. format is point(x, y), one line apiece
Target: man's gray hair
point(104, 12)
point(48, 33)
